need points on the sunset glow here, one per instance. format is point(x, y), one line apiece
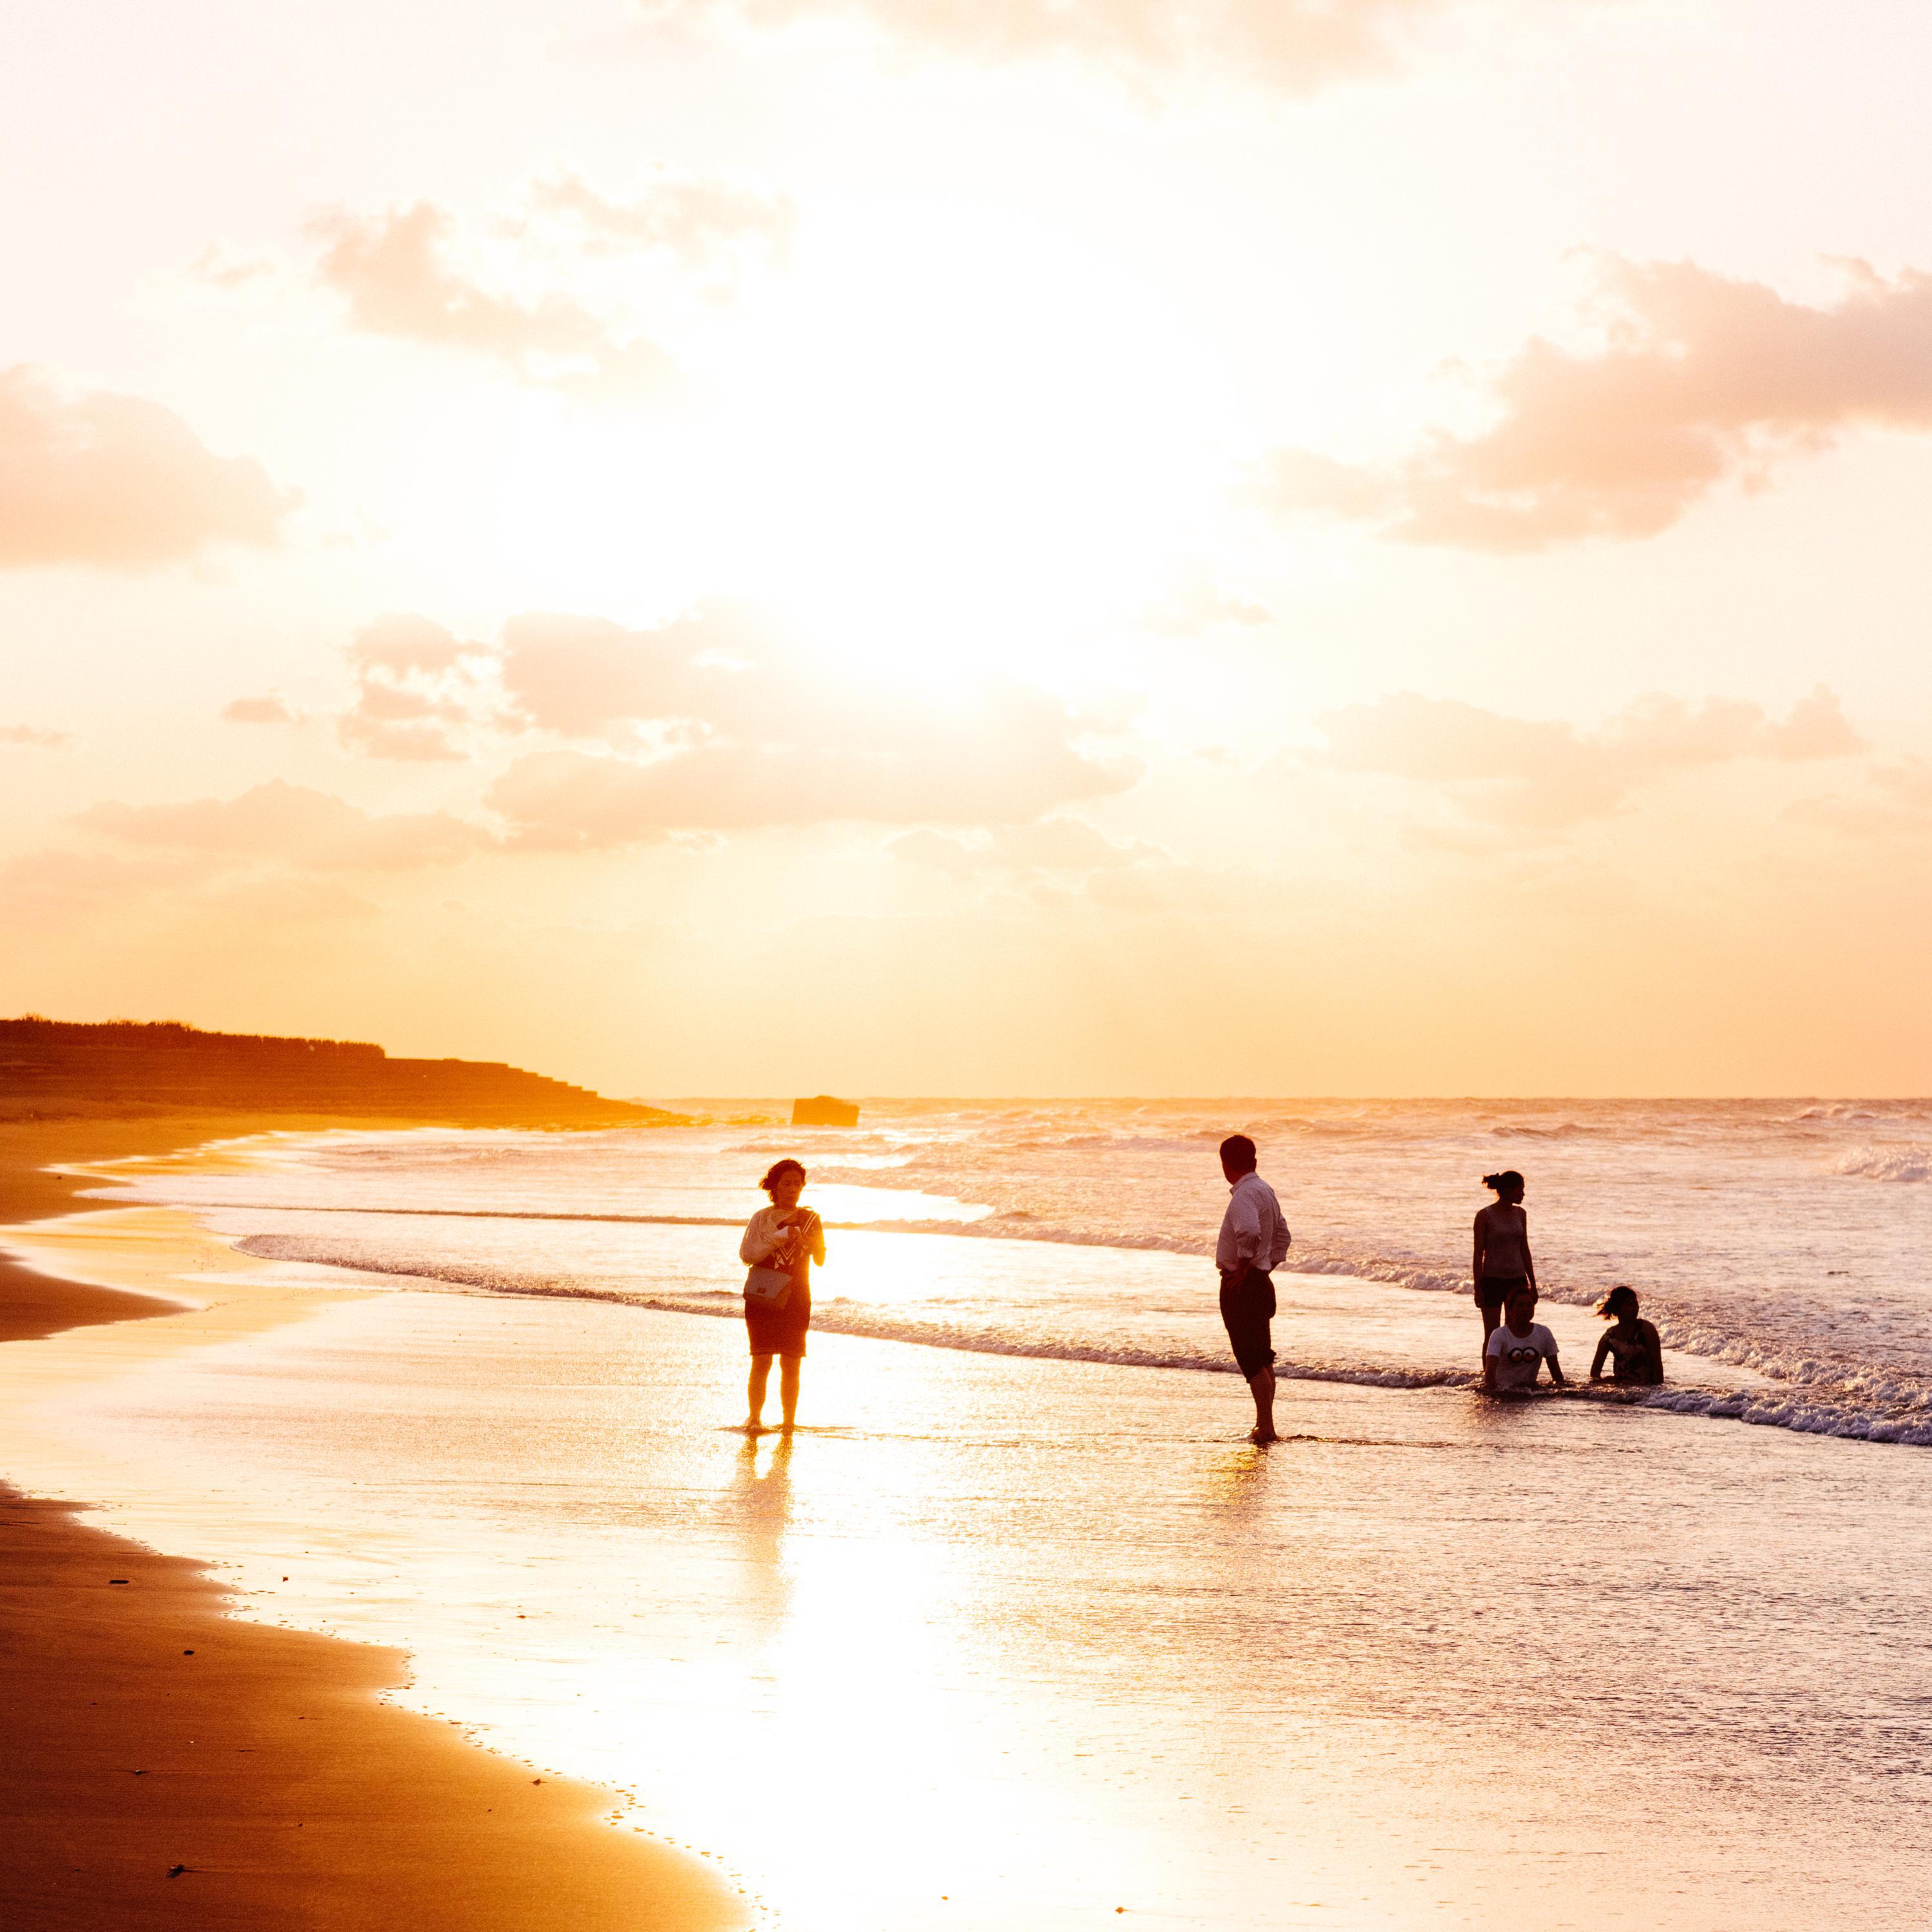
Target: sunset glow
point(717, 548)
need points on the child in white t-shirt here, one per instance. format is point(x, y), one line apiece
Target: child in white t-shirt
point(1518, 1346)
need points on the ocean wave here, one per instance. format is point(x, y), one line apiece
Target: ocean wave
point(1819, 1398)
point(837, 1317)
point(1839, 1113)
point(1882, 1163)
point(844, 1139)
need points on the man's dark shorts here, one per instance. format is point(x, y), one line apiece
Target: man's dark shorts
point(1247, 1307)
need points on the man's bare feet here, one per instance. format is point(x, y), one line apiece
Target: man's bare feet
point(1261, 1437)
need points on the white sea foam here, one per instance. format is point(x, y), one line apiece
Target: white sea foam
point(1881, 1163)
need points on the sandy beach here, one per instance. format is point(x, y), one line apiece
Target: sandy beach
point(169, 1765)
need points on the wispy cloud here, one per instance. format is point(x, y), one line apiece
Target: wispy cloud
point(546, 290)
point(1007, 755)
point(294, 824)
point(120, 483)
point(1532, 774)
point(267, 709)
point(725, 723)
point(1297, 46)
point(717, 720)
point(395, 271)
point(1056, 845)
point(418, 696)
point(1695, 378)
point(35, 734)
point(698, 220)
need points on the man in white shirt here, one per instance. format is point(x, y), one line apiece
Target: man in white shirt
point(1253, 1243)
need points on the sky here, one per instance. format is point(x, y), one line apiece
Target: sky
point(977, 546)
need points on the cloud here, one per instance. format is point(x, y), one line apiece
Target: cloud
point(120, 483)
point(729, 726)
point(696, 220)
point(1008, 758)
point(1897, 805)
point(1062, 863)
point(417, 691)
point(1696, 379)
point(66, 893)
point(1528, 773)
point(33, 734)
point(724, 668)
point(56, 889)
point(268, 710)
point(1296, 46)
point(584, 677)
point(1197, 604)
point(717, 721)
point(223, 267)
point(292, 822)
point(1053, 845)
point(395, 270)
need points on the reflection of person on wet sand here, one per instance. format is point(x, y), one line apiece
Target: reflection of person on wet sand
point(783, 1239)
point(1253, 1242)
point(1502, 1260)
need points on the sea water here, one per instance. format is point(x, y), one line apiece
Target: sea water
point(1786, 1238)
point(1016, 1633)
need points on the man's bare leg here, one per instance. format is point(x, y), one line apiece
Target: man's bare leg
point(788, 1368)
point(754, 1391)
point(1262, 1384)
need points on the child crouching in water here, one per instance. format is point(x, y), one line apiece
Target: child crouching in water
point(1635, 1350)
point(1518, 1347)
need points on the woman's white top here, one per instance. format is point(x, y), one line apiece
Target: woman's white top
point(766, 1231)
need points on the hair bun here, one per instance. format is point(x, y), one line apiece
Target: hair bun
point(1490, 1180)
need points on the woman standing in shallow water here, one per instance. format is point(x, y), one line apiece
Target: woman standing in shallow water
point(787, 1238)
point(1502, 1258)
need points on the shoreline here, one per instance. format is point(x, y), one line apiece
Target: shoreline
point(170, 1764)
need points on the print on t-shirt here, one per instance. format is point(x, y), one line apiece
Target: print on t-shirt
point(1517, 1358)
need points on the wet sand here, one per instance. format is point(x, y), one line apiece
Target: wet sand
point(167, 1764)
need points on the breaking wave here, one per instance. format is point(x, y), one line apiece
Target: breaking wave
point(1877, 1163)
point(1810, 1396)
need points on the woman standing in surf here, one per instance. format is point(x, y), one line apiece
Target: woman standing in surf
point(1502, 1259)
point(781, 1243)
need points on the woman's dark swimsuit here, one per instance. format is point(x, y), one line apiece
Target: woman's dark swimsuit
point(1637, 1358)
point(1493, 1290)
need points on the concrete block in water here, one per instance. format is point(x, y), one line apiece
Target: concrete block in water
point(823, 1111)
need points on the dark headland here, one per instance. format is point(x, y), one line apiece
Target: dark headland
point(55, 1069)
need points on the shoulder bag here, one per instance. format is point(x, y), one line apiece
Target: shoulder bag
point(770, 1285)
